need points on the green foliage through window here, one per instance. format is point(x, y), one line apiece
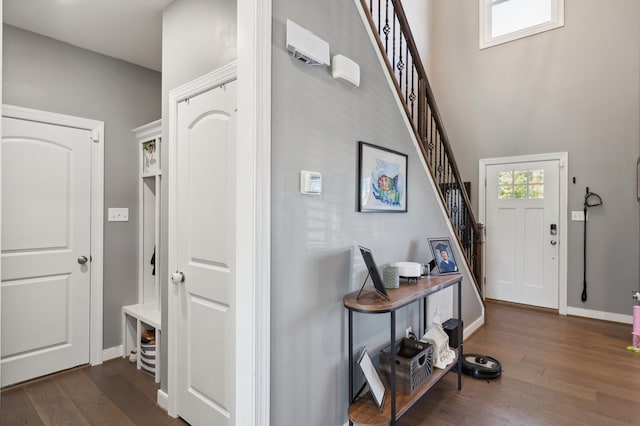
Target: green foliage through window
point(521, 185)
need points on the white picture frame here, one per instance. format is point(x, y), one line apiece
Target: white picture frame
point(374, 381)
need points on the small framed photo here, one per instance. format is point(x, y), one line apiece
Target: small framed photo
point(376, 386)
point(382, 179)
point(443, 256)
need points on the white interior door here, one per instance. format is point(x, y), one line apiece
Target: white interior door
point(205, 216)
point(522, 242)
point(46, 223)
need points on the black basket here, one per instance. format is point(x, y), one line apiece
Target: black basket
point(414, 364)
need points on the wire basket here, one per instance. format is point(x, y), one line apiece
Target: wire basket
point(414, 364)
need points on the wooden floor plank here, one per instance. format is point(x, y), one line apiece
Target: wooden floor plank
point(53, 405)
point(138, 378)
point(94, 404)
point(16, 408)
point(114, 393)
point(130, 399)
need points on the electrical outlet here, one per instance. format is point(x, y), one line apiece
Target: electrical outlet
point(577, 216)
point(408, 332)
point(118, 214)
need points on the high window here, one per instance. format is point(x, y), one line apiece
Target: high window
point(506, 20)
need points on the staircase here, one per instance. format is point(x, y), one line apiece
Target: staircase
point(395, 40)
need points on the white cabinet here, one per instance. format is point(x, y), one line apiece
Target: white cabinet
point(145, 315)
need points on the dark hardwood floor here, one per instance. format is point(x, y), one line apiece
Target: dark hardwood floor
point(557, 370)
point(114, 393)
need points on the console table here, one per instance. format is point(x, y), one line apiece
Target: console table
point(363, 410)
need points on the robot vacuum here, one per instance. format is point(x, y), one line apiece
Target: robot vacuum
point(481, 366)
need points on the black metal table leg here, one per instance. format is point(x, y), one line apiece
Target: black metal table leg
point(460, 352)
point(350, 360)
point(393, 368)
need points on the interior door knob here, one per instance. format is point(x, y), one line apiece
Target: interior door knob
point(82, 260)
point(177, 277)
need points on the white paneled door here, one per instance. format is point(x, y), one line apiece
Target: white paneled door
point(522, 243)
point(46, 220)
point(205, 229)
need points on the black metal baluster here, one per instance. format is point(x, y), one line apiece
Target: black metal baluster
point(406, 78)
point(412, 96)
point(400, 62)
point(393, 44)
point(386, 28)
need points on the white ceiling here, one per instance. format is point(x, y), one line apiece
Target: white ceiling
point(130, 30)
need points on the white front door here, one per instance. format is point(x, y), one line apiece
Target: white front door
point(205, 239)
point(46, 220)
point(522, 232)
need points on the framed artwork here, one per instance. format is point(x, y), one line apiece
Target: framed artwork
point(382, 179)
point(443, 256)
point(378, 390)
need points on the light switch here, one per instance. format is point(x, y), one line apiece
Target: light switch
point(118, 214)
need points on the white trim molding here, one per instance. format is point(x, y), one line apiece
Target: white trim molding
point(162, 399)
point(563, 161)
point(472, 328)
point(112, 353)
point(254, 218)
point(600, 315)
point(97, 196)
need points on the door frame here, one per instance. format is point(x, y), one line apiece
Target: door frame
point(252, 248)
point(563, 176)
point(97, 205)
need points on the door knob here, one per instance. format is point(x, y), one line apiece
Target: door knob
point(82, 260)
point(177, 277)
point(554, 242)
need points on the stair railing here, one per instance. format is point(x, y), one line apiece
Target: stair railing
point(389, 22)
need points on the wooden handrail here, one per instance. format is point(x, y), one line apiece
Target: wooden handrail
point(402, 60)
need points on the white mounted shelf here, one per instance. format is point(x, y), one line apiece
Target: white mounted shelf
point(145, 315)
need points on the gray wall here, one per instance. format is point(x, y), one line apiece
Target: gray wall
point(45, 74)
point(573, 89)
point(198, 36)
point(317, 122)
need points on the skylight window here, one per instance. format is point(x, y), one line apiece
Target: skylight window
point(502, 21)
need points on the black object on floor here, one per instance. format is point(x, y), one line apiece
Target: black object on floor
point(481, 366)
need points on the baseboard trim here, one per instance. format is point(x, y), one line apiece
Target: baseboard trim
point(600, 315)
point(111, 353)
point(472, 328)
point(163, 399)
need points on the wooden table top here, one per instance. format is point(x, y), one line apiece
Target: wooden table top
point(371, 301)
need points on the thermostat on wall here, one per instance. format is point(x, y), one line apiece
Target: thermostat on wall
point(310, 182)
